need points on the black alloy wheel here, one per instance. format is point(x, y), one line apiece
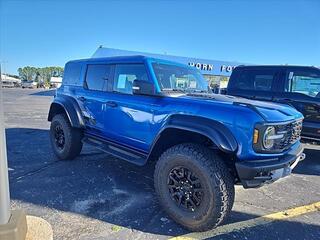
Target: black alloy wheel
point(59, 137)
point(66, 141)
point(185, 188)
point(194, 186)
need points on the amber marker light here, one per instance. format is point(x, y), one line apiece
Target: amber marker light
point(255, 136)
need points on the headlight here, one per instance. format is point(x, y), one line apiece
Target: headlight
point(268, 140)
point(270, 137)
point(275, 138)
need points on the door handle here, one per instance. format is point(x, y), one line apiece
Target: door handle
point(111, 104)
point(82, 99)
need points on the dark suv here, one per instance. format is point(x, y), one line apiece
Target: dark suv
point(143, 109)
point(294, 85)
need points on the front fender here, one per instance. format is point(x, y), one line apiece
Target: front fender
point(71, 109)
point(216, 131)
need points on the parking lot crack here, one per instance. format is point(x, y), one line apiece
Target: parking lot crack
point(33, 172)
point(256, 206)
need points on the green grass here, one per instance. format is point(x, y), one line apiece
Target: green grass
point(116, 228)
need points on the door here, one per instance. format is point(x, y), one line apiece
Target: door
point(93, 97)
point(302, 91)
point(128, 117)
point(254, 83)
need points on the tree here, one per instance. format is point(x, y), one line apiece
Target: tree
point(47, 72)
point(38, 74)
point(27, 73)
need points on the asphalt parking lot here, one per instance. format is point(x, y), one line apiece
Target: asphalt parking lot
point(98, 196)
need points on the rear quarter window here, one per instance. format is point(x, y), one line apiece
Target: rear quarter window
point(72, 74)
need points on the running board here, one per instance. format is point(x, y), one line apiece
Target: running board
point(119, 151)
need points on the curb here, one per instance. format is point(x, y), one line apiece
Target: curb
point(38, 229)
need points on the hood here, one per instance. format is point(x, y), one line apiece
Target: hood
point(270, 112)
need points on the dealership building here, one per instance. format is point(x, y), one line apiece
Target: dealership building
point(217, 72)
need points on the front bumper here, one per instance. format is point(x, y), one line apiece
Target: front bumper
point(255, 173)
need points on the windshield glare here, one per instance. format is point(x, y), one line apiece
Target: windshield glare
point(172, 77)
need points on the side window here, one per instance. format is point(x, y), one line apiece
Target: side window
point(304, 82)
point(97, 77)
point(260, 80)
point(263, 82)
point(244, 81)
point(125, 74)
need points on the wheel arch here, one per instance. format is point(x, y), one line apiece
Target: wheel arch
point(68, 106)
point(183, 128)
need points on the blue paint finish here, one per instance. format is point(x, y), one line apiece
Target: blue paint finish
point(137, 120)
point(152, 75)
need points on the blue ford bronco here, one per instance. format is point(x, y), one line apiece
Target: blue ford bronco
point(142, 109)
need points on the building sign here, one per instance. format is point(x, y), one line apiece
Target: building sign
point(201, 66)
point(227, 68)
point(210, 67)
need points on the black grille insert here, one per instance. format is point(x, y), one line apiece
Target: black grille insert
point(291, 131)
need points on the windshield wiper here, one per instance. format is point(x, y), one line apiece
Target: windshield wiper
point(173, 90)
point(196, 90)
point(184, 90)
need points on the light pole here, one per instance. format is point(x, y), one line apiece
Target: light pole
point(13, 224)
point(4, 179)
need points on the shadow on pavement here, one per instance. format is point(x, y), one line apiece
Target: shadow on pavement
point(96, 185)
point(311, 164)
point(44, 93)
point(275, 230)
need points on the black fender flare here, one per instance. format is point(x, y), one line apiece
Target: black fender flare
point(71, 108)
point(216, 131)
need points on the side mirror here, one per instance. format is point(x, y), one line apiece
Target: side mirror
point(140, 87)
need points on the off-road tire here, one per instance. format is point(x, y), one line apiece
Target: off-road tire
point(72, 138)
point(217, 181)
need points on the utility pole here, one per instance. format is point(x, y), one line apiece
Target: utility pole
point(3, 69)
point(13, 224)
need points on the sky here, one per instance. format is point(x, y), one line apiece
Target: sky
point(49, 33)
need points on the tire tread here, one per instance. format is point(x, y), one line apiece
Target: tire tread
point(219, 173)
point(73, 138)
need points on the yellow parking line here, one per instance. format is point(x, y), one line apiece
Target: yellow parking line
point(224, 229)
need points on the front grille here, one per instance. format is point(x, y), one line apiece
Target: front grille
point(291, 131)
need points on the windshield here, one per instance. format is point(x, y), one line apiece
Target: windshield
point(177, 78)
